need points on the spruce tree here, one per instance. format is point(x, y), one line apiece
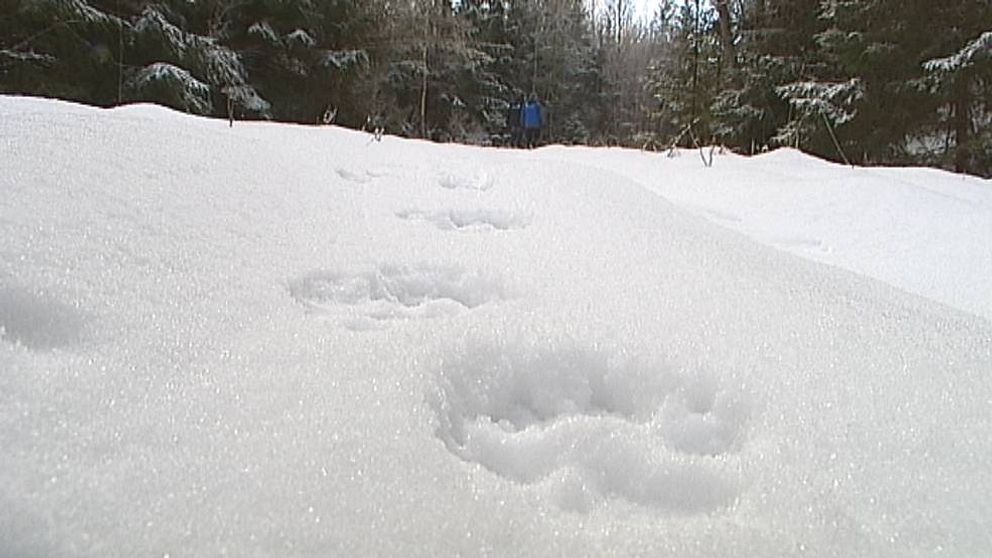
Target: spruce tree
point(483, 85)
point(776, 48)
point(303, 56)
point(556, 61)
point(69, 49)
point(963, 81)
point(192, 71)
point(684, 83)
point(883, 44)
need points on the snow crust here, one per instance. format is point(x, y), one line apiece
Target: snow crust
point(273, 340)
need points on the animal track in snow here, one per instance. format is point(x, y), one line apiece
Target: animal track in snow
point(702, 419)
point(587, 425)
point(37, 322)
point(367, 298)
point(468, 219)
point(480, 181)
point(358, 177)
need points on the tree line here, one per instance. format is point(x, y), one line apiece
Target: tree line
point(861, 81)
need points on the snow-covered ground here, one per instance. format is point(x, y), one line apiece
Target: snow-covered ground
point(274, 340)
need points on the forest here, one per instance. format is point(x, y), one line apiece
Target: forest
point(871, 82)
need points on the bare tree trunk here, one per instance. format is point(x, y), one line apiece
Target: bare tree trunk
point(695, 60)
point(429, 37)
point(120, 56)
point(962, 121)
point(621, 13)
point(423, 97)
point(726, 33)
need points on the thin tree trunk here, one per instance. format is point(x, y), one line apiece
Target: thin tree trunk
point(423, 97)
point(120, 54)
point(695, 60)
point(726, 36)
point(620, 21)
point(962, 122)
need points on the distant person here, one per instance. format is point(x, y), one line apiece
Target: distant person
point(515, 123)
point(533, 121)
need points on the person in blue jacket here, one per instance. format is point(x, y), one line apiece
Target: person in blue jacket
point(533, 120)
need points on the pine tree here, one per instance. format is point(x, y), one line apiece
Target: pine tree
point(69, 49)
point(302, 55)
point(485, 89)
point(685, 83)
point(964, 81)
point(421, 51)
point(883, 44)
point(777, 47)
point(196, 72)
point(556, 61)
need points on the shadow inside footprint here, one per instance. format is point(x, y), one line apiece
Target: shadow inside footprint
point(701, 418)
point(465, 219)
point(37, 322)
point(480, 181)
point(352, 176)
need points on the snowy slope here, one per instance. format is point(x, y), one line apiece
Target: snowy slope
point(922, 230)
point(294, 341)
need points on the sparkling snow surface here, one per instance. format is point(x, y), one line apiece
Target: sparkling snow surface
point(275, 340)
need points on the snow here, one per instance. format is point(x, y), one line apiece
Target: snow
point(922, 230)
point(265, 32)
point(299, 341)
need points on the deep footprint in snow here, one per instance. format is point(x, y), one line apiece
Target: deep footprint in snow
point(700, 418)
point(480, 181)
point(367, 298)
point(358, 177)
point(469, 219)
point(37, 322)
point(588, 425)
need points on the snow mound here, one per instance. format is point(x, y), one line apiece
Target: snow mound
point(789, 157)
point(215, 343)
point(149, 111)
point(921, 230)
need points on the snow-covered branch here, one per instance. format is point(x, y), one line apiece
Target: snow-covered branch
point(341, 59)
point(265, 32)
point(218, 64)
point(975, 51)
point(21, 56)
point(74, 11)
point(834, 100)
point(162, 78)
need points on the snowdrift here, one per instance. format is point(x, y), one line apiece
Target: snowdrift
point(273, 340)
